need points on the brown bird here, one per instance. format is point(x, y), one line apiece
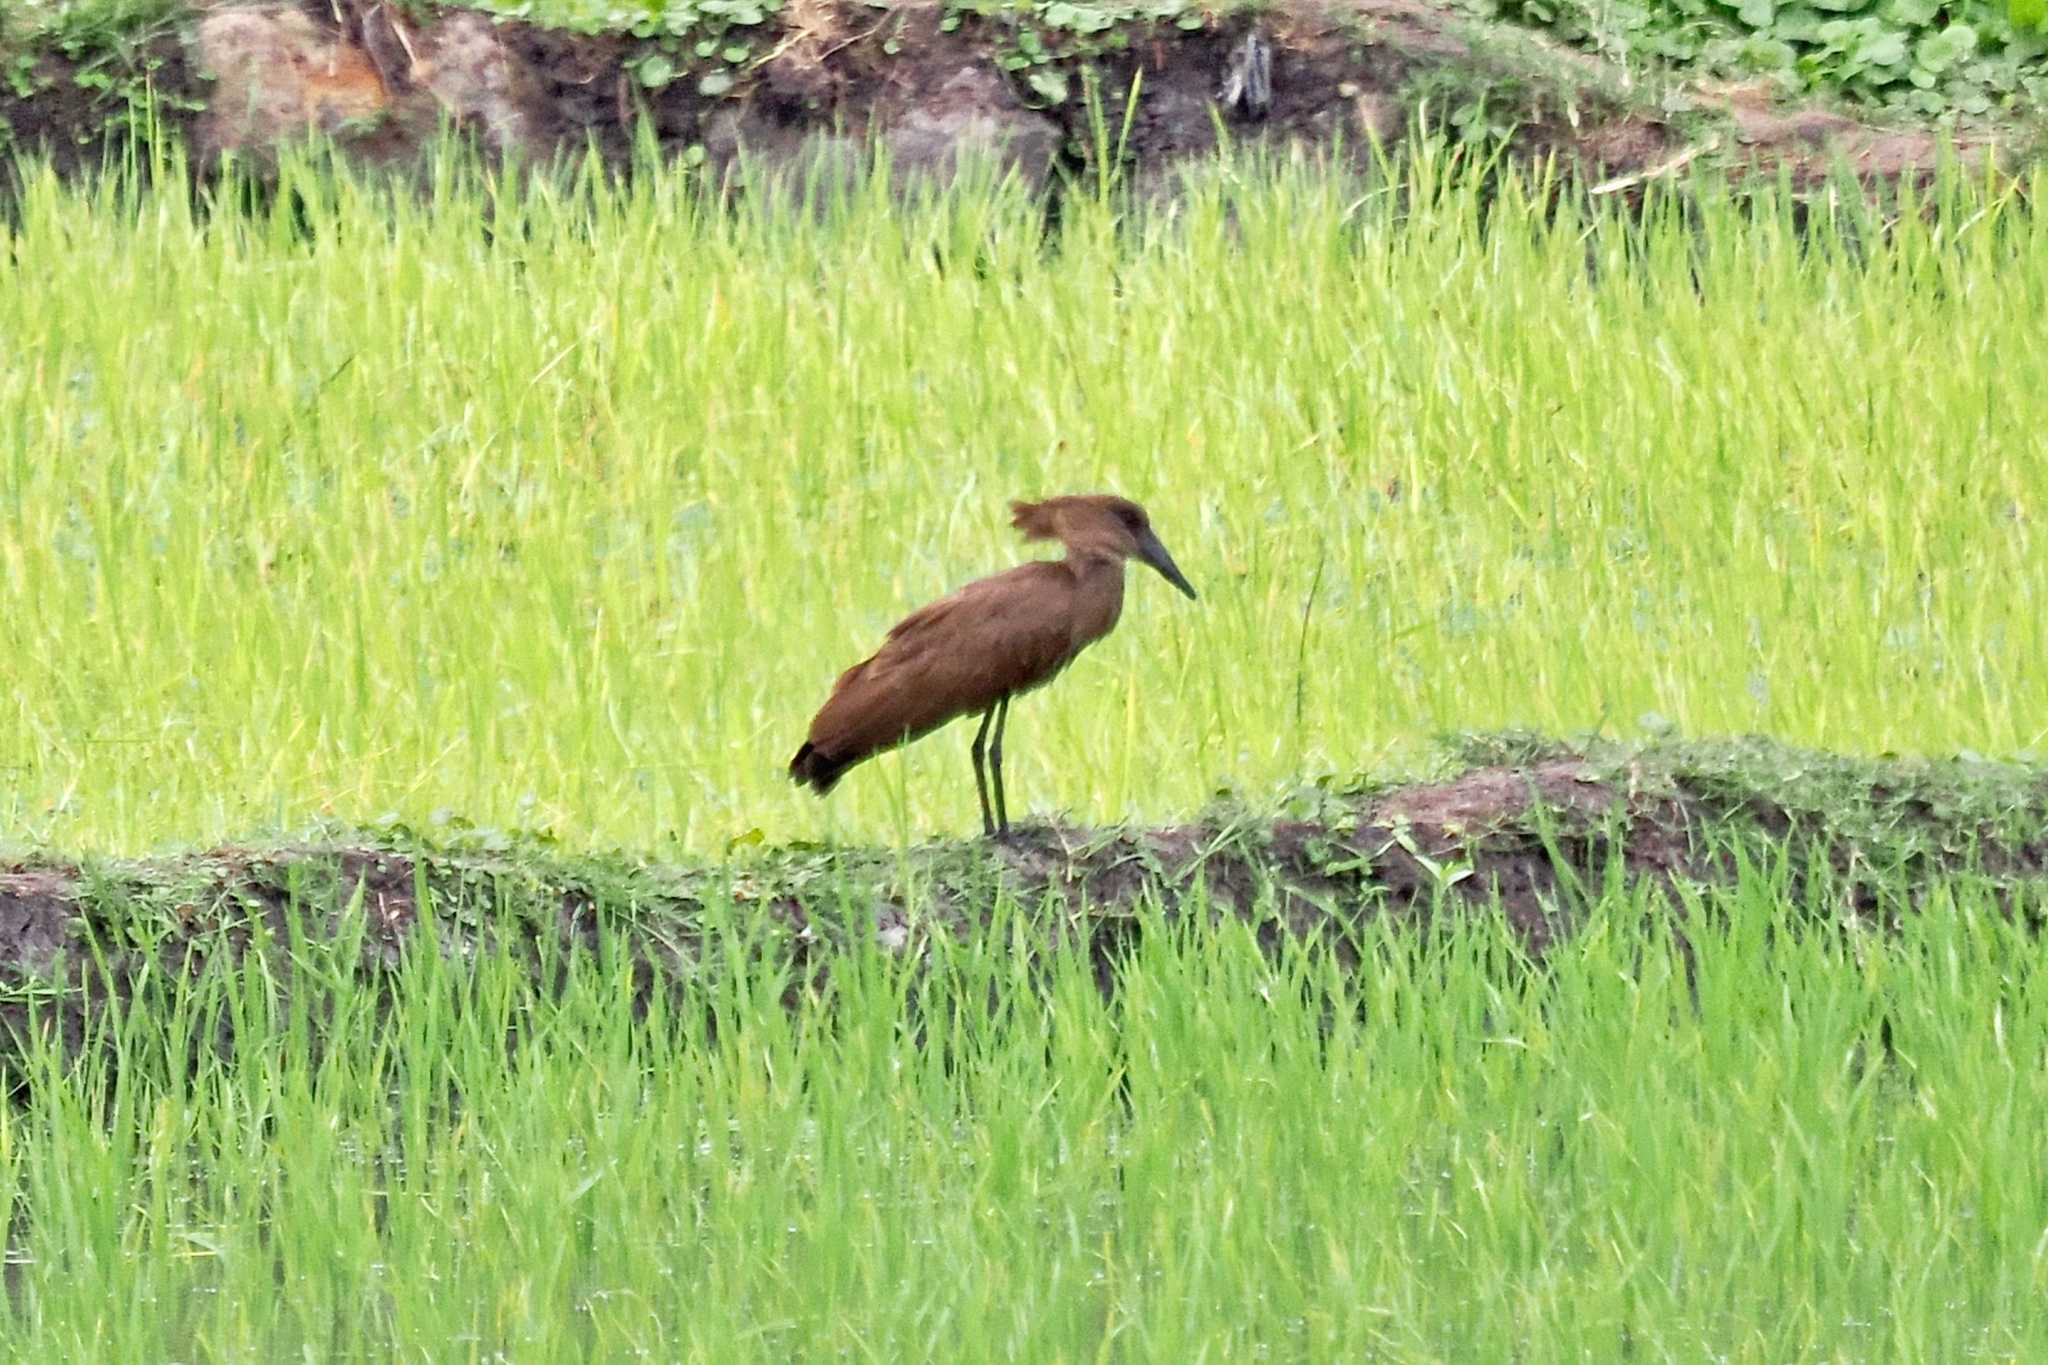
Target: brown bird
point(975, 649)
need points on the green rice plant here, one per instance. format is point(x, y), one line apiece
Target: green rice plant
point(557, 503)
point(1764, 1147)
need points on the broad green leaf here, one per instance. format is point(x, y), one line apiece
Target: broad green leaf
point(1885, 49)
point(655, 70)
point(1940, 51)
point(1049, 83)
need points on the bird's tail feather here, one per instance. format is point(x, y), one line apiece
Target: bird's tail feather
point(816, 770)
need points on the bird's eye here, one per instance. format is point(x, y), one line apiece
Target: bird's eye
point(1131, 517)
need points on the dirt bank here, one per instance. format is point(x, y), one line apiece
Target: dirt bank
point(823, 81)
point(1533, 834)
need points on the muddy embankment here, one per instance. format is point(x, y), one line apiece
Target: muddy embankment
point(1533, 836)
point(827, 81)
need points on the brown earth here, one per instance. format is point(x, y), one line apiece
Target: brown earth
point(833, 78)
point(1533, 843)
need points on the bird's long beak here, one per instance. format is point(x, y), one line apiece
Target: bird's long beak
point(1153, 553)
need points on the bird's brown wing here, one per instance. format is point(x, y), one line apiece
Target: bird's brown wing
point(993, 638)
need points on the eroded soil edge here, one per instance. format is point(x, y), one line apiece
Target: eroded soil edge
point(833, 81)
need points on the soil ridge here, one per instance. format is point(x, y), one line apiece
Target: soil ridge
point(1529, 832)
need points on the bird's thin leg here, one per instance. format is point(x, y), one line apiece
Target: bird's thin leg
point(988, 824)
point(995, 759)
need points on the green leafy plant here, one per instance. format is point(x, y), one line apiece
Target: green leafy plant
point(700, 40)
point(110, 48)
point(1043, 40)
point(1929, 57)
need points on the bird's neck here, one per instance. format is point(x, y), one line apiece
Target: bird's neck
point(1098, 593)
point(1089, 564)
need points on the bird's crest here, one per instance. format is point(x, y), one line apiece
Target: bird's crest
point(1034, 519)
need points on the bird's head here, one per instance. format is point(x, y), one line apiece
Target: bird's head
point(1100, 524)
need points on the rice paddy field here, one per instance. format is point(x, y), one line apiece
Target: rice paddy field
point(561, 511)
point(554, 505)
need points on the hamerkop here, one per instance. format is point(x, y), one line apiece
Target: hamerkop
point(974, 650)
